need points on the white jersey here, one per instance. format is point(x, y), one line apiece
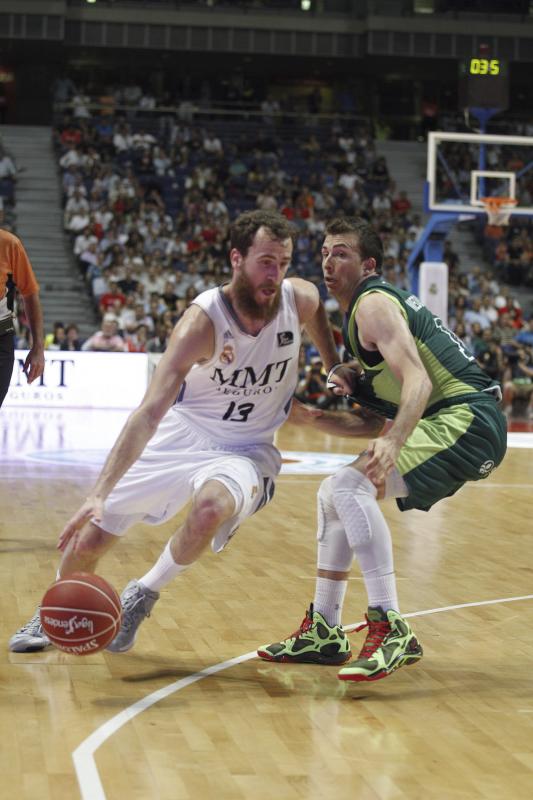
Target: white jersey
point(243, 394)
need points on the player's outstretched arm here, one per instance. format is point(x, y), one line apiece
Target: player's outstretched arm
point(313, 316)
point(358, 422)
point(192, 342)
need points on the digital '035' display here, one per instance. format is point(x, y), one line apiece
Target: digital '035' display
point(485, 66)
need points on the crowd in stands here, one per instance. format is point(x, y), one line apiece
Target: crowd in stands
point(148, 201)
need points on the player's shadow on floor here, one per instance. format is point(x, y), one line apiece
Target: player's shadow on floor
point(282, 680)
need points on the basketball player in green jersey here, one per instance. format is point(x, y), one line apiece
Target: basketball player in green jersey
point(447, 429)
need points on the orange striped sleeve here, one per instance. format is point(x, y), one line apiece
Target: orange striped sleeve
point(18, 261)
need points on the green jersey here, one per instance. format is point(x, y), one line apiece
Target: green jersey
point(454, 373)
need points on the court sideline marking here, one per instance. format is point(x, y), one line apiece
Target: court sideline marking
point(83, 756)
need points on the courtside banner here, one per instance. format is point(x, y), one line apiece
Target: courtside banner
point(81, 380)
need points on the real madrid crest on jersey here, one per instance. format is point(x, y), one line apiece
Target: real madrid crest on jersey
point(228, 354)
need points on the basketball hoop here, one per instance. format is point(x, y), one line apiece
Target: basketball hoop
point(498, 209)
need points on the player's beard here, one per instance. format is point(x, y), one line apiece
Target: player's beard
point(243, 290)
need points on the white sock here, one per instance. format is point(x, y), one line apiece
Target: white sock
point(381, 590)
point(377, 568)
point(163, 571)
point(329, 599)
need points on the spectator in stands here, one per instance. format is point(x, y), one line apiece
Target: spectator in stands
point(476, 337)
point(507, 333)
point(525, 336)
point(518, 383)
point(401, 205)
point(7, 167)
point(212, 144)
point(490, 356)
point(72, 339)
point(450, 257)
point(474, 314)
point(73, 157)
point(488, 309)
point(416, 227)
point(147, 102)
point(58, 339)
point(379, 174)
point(507, 304)
point(112, 300)
point(122, 139)
point(128, 283)
point(381, 202)
point(140, 318)
point(312, 387)
point(83, 240)
point(462, 334)
point(158, 343)
point(80, 105)
point(76, 205)
point(107, 339)
point(169, 295)
point(50, 337)
point(127, 319)
point(136, 342)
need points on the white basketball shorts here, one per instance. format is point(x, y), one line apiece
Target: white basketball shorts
point(176, 462)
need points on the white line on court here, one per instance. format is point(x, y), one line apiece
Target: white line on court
point(83, 756)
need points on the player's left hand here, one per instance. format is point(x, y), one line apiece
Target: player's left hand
point(34, 364)
point(92, 509)
point(382, 455)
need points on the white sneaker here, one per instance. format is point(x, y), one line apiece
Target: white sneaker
point(30, 638)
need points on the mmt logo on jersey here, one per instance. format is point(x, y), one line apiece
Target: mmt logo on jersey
point(248, 381)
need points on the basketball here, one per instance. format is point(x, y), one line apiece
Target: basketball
point(81, 613)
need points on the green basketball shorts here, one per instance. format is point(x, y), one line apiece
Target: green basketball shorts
point(459, 443)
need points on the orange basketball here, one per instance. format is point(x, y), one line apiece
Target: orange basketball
point(81, 613)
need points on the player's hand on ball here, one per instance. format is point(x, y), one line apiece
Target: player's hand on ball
point(342, 378)
point(93, 508)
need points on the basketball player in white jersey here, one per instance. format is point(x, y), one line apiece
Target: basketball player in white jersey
point(205, 428)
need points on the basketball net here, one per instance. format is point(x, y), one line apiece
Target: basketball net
point(498, 209)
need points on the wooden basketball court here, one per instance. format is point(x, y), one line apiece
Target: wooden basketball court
point(190, 713)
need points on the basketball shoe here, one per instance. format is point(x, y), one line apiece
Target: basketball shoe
point(30, 638)
point(137, 601)
point(390, 644)
point(315, 642)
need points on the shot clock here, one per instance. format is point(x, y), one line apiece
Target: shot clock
point(483, 82)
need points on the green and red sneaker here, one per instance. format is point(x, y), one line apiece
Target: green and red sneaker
point(315, 642)
point(390, 644)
